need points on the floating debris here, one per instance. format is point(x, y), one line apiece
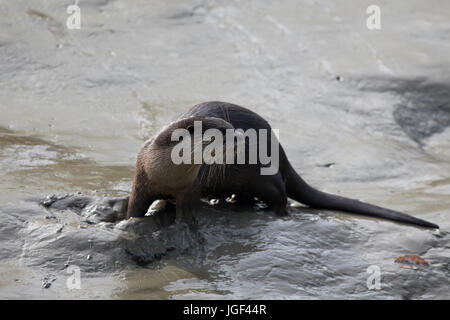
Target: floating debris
point(47, 281)
point(411, 261)
point(326, 165)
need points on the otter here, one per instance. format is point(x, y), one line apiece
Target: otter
point(245, 181)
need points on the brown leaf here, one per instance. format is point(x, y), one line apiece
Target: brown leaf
point(411, 259)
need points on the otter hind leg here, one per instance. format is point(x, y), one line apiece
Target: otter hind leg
point(272, 191)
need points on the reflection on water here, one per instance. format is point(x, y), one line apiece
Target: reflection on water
point(152, 284)
point(38, 165)
point(76, 105)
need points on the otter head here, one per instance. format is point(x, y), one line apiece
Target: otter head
point(181, 148)
point(198, 140)
point(169, 164)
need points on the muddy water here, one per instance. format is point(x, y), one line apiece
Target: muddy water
point(76, 105)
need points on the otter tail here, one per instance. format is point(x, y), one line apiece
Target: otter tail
point(299, 190)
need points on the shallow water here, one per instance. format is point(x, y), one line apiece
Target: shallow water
point(76, 105)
